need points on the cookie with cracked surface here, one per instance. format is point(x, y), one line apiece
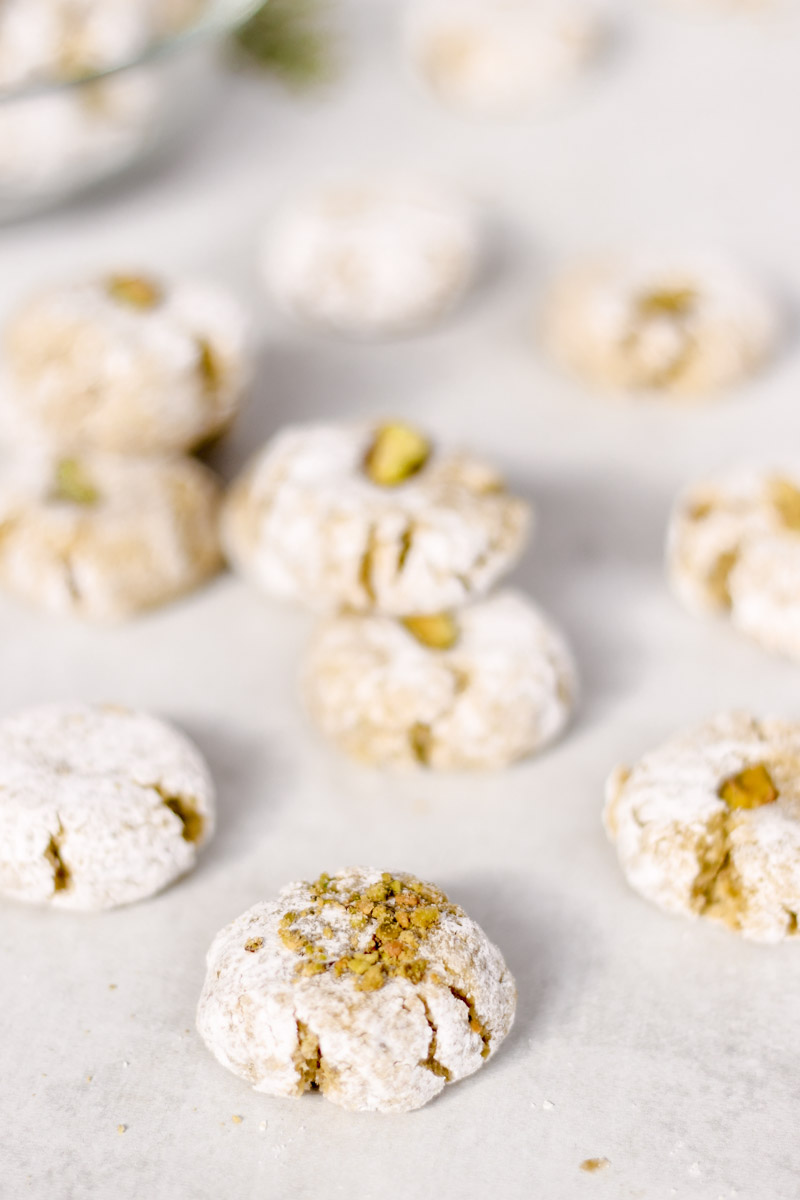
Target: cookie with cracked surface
point(476, 689)
point(373, 257)
point(104, 536)
point(99, 806)
point(126, 363)
point(370, 986)
point(708, 825)
point(500, 57)
point(371, 518)
point(659, 325)
point(733, 548)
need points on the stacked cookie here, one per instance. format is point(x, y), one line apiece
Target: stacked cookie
point(110, 384)
point(399, 542)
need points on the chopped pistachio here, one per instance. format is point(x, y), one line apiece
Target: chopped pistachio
point(73, 485)
point(376, 892)
point(387, 908)
point(136, 291)
point(423, 918)
point(439, 631)
point(313, 968)
point(667, 302)
point(397, 452)
point(372, 979)
point(359, 964)
point(751, 788)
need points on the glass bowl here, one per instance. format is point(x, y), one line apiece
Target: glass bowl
point(59, 138)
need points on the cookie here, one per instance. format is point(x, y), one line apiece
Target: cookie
point(65, 39)
point(476, 689)
point(733, 548)
point(371, 258)
point(57, 140)
point(99, 806)
point(658, 325)
point(370, 517)
point(370, 987)
point(708, 825)
point(103, 536)
point(127, 363)
point(500, 57)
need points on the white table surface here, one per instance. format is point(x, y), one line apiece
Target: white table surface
point(670, 1049)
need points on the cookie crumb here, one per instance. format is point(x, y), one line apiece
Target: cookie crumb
point(237, 1120)
point(595, 1164)
point(122, 1129)
point(262, 1125)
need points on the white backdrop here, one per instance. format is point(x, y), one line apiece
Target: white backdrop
point(671, 1049)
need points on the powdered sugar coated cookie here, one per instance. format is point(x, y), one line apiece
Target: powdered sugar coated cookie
point(127, 363)
point(476, 689)
point(653, 324)
point(709, 824)
point(372, 518)
point(104, 536)
point(369, 986)
point(99, 806)
point(734, 548)
point(500, 57)
point(372, 257)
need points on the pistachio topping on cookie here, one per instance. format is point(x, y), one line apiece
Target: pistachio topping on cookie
point(750, 788)
point(439, 631)
point(369, 986)
point(137, 291)
point(73, 484)
point(397, 452)
point(397, 914)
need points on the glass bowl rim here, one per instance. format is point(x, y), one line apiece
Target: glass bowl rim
point(219, 18)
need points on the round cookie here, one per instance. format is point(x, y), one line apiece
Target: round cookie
point(658, 325)
point(371, 258)
point(371, 518)
point(127, 363)
point(63, 39)
point(56, 139)
point(371, 987)
point(733, 548)
point(709, 824)
point(499, 57)
point(99, 806)
point(104, 536)
point(477, 689)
